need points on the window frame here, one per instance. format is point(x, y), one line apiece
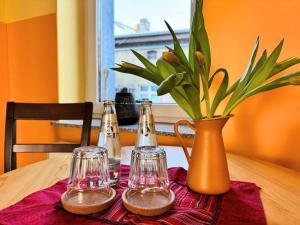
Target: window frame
point(163, 112)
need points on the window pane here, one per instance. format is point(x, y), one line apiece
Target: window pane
point(139, 25)
point(154, 88)
point(144, 88)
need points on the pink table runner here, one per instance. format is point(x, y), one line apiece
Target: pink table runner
point(241, 205)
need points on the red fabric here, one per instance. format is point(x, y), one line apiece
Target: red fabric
point(241, 205)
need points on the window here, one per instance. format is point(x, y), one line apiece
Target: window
point(154, 88)
point(139, 25)
point(144, 88)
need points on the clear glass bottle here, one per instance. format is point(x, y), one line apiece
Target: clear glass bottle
point(109, 138)
point(146, 128)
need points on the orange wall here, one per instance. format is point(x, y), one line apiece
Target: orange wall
point(4, 86)
point(32, 74)
point(266, 126)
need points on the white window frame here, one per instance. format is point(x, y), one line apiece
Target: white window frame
point(163, 112)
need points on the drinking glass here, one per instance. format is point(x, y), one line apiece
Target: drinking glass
point(148, 184)
point(89, 184)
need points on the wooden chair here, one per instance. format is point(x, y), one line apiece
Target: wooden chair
point(41, 111)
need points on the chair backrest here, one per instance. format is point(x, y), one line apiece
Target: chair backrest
point(43, 111)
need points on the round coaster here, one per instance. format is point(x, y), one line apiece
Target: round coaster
point(150, 204)
point(87, 202)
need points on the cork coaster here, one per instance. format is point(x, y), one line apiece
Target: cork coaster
point(149, 204)
point(87, 202)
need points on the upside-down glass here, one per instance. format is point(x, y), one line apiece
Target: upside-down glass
point(89, 177)
point(148, 184)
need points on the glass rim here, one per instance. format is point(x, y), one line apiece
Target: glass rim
point(94, 151)
point(149, 152)
point(149, 146)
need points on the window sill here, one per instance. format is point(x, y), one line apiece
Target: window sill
point(162, 129)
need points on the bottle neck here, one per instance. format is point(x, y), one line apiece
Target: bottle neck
point(109, 109)
point(146, 128)
point(109, 132)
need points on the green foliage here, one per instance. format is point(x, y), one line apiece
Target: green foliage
point(184, 77)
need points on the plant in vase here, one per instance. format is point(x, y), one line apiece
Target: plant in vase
point(188, 80)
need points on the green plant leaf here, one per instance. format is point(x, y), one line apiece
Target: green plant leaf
point(260, 62)
point(199, 37)
point(184, 104)
point(170, 83)
point(279, 67)
point(220, 94)
point(146, 62)
point(193, 97)
point(232, 88)
point(247, 74)
point(206, 58)
point(260, 74)
point(276, 83)
point(178, 51)
point(257, 66)
point(245, 77)
point(165, 69)
point(264, 72)
point(140, 72)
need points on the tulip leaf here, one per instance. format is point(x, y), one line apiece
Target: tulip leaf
point(170, 83)
point(245, 77)
point(199, 36)
point(140, 72)
point(178, 51)
point(284, 65)
point(247, 74)
point(193, 97)
point(264, 72)
point(221, 90)
point(183, 103)
point(276, 83)
point(231, 88)
point(145, 61)
point(165, 69)
point(258, 64)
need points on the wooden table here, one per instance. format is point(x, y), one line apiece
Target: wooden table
point(280, 187)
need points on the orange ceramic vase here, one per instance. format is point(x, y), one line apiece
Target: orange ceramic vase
point(208, 171)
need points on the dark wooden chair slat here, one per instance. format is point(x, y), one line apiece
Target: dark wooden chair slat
point(43, 111)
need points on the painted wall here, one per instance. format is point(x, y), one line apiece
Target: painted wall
point(16, 10)
point(71, 66)
point(33, 75)
point(28, 67)
point(4, 86)
point(2, 10)
point(266, 126)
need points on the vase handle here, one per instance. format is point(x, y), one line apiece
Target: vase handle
point(178, 135)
